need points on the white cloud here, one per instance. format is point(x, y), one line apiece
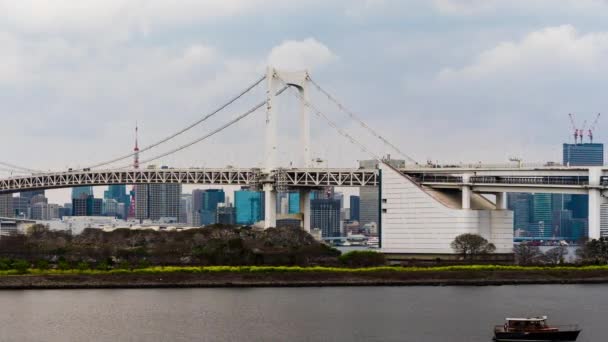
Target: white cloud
point(552, 50)
point(304, 54)
point(477, 7)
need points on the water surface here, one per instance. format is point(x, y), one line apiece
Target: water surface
point(294, 314)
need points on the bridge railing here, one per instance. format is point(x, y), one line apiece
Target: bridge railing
point(548, 180)
point(532, 180)
point(425, 178)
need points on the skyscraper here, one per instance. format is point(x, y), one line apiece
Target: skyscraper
point(119, 194)
point(211, 199)
point(6, 206)
point(559, 216)
point(78, 192)
point(354, 208)
point(249, 206)
point(583, 154)
point(294, 203)
point(87, 205)
point(156, 201)
point(325, 215)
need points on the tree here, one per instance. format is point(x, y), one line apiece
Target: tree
point(594, 251)
point(555, 255)
point(471, 245)
point(526, 254)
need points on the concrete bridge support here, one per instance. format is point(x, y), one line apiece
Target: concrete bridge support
point(305, 209)
point(501, 201)
point(595, 202)
point(270, 206)
point(466, 192)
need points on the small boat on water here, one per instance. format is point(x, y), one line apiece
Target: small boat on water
point(534, 329)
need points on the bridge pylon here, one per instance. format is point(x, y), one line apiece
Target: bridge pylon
point(299, 80)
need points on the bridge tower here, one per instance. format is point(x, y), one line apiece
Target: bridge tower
point(299, 80)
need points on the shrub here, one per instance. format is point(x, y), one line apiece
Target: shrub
point(42, 265)
point(83, 266)
point(63, 265)
point(362, 259)
point(21, 266)
point(103, 266)
point(5, 264)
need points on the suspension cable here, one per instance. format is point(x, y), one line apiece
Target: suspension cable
point(363, 124)
point(162, 141)
point(18, 168)
point(210, 134)
point(333, 124)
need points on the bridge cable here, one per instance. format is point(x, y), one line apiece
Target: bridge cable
point(162, 141)
point(334, 125)
point(210, 134)
point(361, 122)
point(18, 168)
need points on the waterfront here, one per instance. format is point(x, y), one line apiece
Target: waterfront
point(293, 314)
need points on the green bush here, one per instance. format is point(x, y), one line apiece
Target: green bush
point(5, 264)
point(63, 265)
point(83, 266)
point(42, 265)
point(21, 266)
point(362, 259)
point(103, 266)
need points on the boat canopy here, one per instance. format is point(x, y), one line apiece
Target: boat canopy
point(529, 319)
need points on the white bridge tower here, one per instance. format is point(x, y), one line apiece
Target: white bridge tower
point(276, 79)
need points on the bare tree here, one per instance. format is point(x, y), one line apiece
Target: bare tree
point(526, 254)
point(555, 255)
point(471, 245)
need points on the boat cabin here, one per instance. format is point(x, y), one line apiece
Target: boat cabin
point(527, 324)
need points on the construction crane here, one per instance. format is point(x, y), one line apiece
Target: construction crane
point(575, 130)
point(581, 132)
point(592, 128)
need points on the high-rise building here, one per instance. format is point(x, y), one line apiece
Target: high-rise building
point(583, 154)
point(6, 206)
point(110, 208)
point(354, 208)
point(21, 207)
point(29, 194)
point(44, 211)
point(294, 203)
point(204, 206)
point(325, 215)
point(119, 194)
point(558, 216)
point(226, 214)
point(164, 201)
point(156, 201)
point(211, 199)
point(78, 192)
point(87, 206)
point(249, 206)
point(185, 209)
point(369, 198)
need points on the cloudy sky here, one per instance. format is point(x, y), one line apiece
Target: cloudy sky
point(446, 80)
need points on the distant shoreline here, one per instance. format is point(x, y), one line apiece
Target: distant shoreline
point(308, 278)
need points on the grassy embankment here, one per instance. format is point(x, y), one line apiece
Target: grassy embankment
point(297, 269)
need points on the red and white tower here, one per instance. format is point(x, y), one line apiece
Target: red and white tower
point(135, 166)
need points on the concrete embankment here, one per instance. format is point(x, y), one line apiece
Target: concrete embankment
point(307, 279)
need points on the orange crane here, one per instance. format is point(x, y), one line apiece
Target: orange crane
point(592, 128)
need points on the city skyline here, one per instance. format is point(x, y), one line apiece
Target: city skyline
point(453, 61)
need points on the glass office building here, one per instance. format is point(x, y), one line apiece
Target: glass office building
point(249, 206)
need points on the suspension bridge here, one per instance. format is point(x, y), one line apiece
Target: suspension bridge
point(422, 207)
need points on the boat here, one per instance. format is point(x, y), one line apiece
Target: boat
point(534, 329)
